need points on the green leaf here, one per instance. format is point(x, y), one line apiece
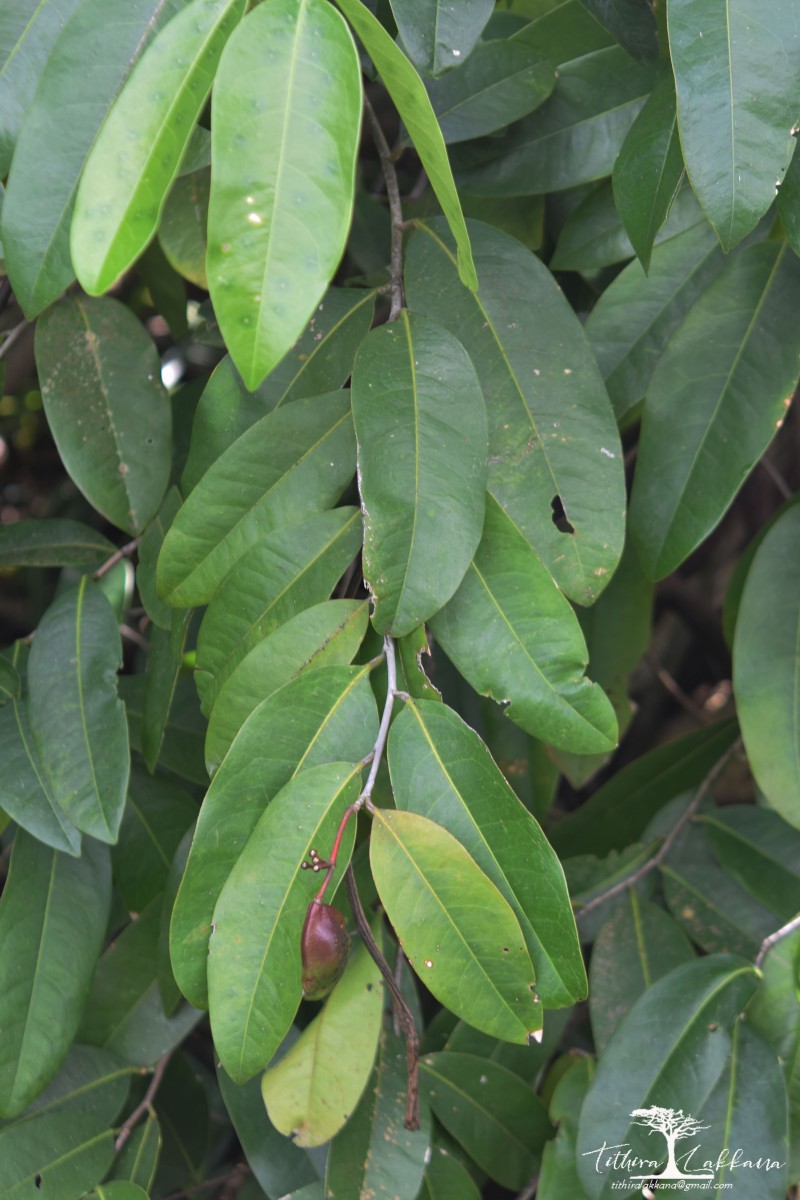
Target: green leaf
point(558, 1178)
point(735, 120)
point(760, 851)
point(374, 1153)
point(636, 316)
point(415, 680)
point(680, 1028)
point(157, 815)
point(766, 669)
point(489, 1111)
point(499, 83)
point(81, 79)
point(551, 430)
point(732, 365)
point(312, 1091)
point(284, 175)
point(77, 720)
point(572, 139)
point(649, 169)
point(318, 717)
point(421, 432)
point(637, 945)
point(167, 986)
point(563, 31)
point(775, 1013)
point(10, 682)
point(138, 150)
point(437, 35)
point(164, 661)
point(457, 930)
point(275, 1161)
point(411, 100)
point(29, 30)
point(52, 920)
point(182, 746)
point(442, 770)
point(525, 1061)
point(321, 358)
point(138, 1159)
point(290, 570)
point(631, 22)
point(447, 1179)
point(184, 221)
point(288, 465)
point(52, 542)
point(254, 968)
point(329, 634)
point(106, 407)
point(149, 549)
point(788, 203)
point(514, 637)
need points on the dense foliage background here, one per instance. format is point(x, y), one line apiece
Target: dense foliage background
point(397, 460)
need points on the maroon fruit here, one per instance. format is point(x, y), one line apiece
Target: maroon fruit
point(325, 946)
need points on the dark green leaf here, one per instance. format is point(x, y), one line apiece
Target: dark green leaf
point(10, 682)
point(138, 1159)
point(52, 542)
point(760, 851)
point(170, 992)
point(558, 1178)
point(275, 1161)
point(182, 231)
point(182, 748)
point(437, 35)
point(447, 1179)
point(164, 661)
point(149, 549)
point(631, 22)
point(421, 432)
point(789, 203)
point(562, 29)
point(157, 815)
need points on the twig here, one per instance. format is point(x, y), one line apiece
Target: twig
point(404, 1013)
point(669, 840)
point(395, 210)
point(670, 684)
point(125, 551)
point(383, 732)
point(529, 1191)
point(776, 937)
point(776, 477)
point(146, 1104)
point(13, 335)
point(194, 1188)
point(235, 1182)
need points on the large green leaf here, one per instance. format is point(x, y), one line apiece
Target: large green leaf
point(275, 1161)
point(329, 634)
point(441, 769)
point(312, 1091)
point(632, 23)
point(321, 358)
point(411, 100)
point(766, 671)
point(52, 542)
point(284, 175)
point(288, 465)
point(718, 394)
point(420, 425)
point(680, 1029)
point(514, 637)
point(288, 571)
point(82, 77)
point(496, 1117)
point(138, 150)
point(52, 921)
point(254, 968)
point(157, 815)
point(138, 1159)
point(77, 720)
point(106, 407)
point(318, 717)
point(437, 34)
point(552, 435)
point(458, 931)
point(760, 851)
point(737, 102)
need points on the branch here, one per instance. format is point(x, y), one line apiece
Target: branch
point(404, 1013)
point(380, 743)
point(776, 937)
point(13, 335)
point(529, 1191)
point(657, 859)
point(395, 209)
point(125, 551)
point(146, 1104)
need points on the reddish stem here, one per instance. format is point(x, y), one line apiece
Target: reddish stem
point(330, 865)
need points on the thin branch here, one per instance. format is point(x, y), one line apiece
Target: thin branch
point(529, 1191)
point(404, 1013)
point(194, 1188)
point(125, 551)
point(395, 209)
point(669, 841)
point(380, 743)
point(146, 1104)
point(776, 477)
point(12, 337)
point(777, 936)
point(671, 685)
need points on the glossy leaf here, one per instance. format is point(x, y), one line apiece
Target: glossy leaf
point(290, 570)
point(254, 969)
point(496, 1117)
point(442, 770)
point(316, 718)
point(52, 921)
point(649, 169)
point(411, 100)
point(765, 673)
point(421, 432)
point(311, 1092)
point(106, 407)
point(52, 542)
point(736, 90)
point(514, 637)
point(715, 400)
point(683, 1019)
point(288, 465)
point(275, 1161)
point(157, 814)
point(328, 634)
point(81, 79)
point(284, 175)
point(548, 410)
point(457, 930)
point(499, 83)
point(136, 155)
point(77, 720)
point(631, 22)
point(438, 35)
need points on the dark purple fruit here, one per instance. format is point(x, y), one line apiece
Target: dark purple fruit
point(325, 946)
